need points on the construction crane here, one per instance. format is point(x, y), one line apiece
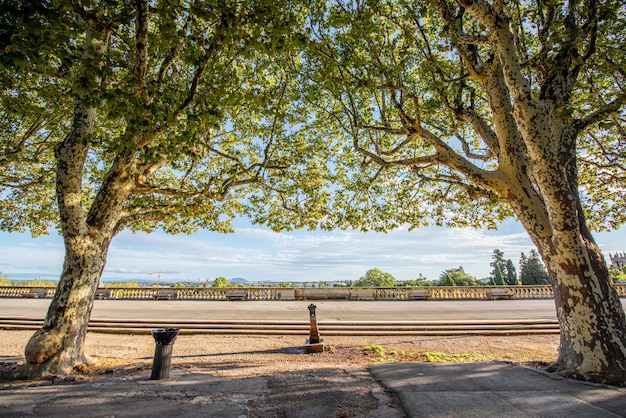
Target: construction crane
point(158, 277)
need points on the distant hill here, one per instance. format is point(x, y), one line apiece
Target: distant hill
point(238, 280)
point(31, 276)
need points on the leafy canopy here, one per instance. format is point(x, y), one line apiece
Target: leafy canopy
point(198, 93)
point(406, 91)
point(244, 94)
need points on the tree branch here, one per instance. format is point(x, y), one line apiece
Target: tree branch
point(504, 42)
point(469, 153)
point(141, 46)
point(391, 131)
point(209, 54)
point(168, 61)
point(379, 160)
point(145, 216)
point(482, 129)
point(600, 114)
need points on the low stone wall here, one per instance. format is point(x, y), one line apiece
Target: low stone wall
point(307, 293)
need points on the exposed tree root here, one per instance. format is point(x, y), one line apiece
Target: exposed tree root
point(52, 369)
point(607, 378)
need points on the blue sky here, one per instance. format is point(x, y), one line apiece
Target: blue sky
point(256, 253)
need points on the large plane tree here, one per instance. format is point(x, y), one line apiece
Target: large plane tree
point(467, 112)
point(137, 114)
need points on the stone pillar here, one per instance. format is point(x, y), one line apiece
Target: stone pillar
point(314, 344)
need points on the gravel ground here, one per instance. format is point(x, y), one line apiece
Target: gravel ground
point(263, 354)
point(291, 382)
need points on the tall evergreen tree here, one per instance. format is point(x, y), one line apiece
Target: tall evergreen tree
point(511, 273)
point(532, 270)
point(503, 272)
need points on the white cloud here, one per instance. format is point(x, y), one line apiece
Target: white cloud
point(29, 256)
point(260, 254)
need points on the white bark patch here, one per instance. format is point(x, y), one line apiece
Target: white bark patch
point(583, 324)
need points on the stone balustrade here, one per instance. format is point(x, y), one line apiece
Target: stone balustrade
point(304, 293)
point(26, 292)
point(13, 292)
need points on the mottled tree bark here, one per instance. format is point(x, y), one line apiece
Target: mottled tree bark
point(58, 347)
point(590, 313)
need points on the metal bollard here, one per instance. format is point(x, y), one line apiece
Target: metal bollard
point(164, 338)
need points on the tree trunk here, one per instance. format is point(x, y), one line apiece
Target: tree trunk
point(58, 347)
point(590, 313)
point(591, 316)
point(545, 197)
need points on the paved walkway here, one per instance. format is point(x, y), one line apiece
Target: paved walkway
point(496, 390)
point(423, 390)
point(527, 309)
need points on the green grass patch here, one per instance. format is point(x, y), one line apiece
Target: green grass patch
point(438, 357)
point(378, 350)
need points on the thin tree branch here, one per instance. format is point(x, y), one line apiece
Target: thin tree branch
point(482, 128)
point(141, 46)
point(600, 114)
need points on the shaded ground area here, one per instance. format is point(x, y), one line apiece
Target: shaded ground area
point(195, 391)
point(323, 392)
point(256, 376)
point(252, 376)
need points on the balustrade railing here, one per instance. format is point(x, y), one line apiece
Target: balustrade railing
point(259, 293)
point(391, 293)
point(281, 293)
point(13, 292)
point(133, 293)
point(29, 292)
point(200, 293)
point(533, 292)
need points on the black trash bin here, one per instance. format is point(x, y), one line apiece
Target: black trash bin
point(164, 339)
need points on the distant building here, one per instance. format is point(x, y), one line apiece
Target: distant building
point(617, 261)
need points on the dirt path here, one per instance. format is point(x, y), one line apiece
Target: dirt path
point(263, 353)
